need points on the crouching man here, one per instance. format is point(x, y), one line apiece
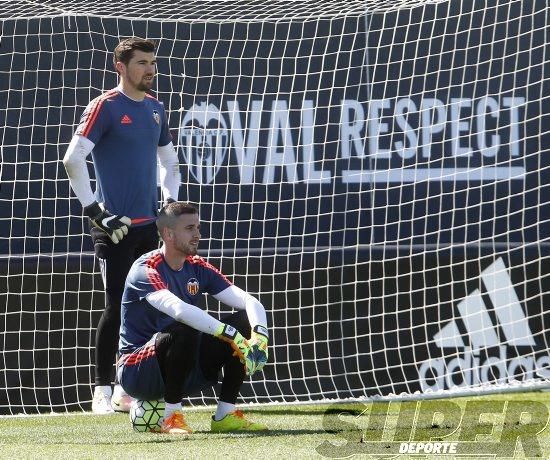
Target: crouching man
point(169, 347)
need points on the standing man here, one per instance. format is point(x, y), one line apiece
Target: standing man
point(171, 348)
point(125, 130)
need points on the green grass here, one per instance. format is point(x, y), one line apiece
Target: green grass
point(298, 431)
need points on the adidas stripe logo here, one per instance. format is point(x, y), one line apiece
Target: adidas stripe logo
point(125, 120)
point(475, 354)
point(476, 318)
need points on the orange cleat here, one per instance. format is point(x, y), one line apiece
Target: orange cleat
point(175, 424)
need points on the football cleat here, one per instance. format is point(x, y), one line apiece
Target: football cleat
point(101, 403)
point(121, 403)
point(235, 421)
point(175, 424)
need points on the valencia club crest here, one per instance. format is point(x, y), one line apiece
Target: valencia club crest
point(193, 286)
point(156, 117)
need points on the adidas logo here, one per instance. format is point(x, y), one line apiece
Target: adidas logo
point(125, 120)
point(476, 318)
point(480, 329)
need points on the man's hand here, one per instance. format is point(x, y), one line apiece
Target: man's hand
point(114, 226)
point(241, 347)
point(258, 345)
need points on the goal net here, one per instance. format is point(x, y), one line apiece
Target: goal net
point(375, 172)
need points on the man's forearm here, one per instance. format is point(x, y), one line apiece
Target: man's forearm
point(170, 178)
point(169, 303)
point(77, 169)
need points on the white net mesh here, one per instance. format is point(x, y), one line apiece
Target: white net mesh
point(375, 172)
point(208, 11)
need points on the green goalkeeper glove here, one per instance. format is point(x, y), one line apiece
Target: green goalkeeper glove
point(241, 347)
point(258, 345)
point(114, 226)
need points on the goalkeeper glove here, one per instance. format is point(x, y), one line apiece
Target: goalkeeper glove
point(241, 347)
point(258, 345)
point(114, 226)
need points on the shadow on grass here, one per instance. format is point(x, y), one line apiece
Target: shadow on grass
point(196, 436)
point(319, 411)
point(157, 439)
point(270, 433)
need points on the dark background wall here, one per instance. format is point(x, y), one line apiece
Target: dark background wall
point(382, 210)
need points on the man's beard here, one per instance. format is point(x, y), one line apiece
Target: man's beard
point(187, 250)
point(191, 250)
point(145, 85)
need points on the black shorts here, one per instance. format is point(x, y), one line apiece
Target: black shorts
point(140, 372)
point(116, 259)
point(137, 242)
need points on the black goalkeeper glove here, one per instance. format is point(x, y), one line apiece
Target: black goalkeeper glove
point(114, 226)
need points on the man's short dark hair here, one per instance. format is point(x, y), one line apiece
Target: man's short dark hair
point(124, 51)
point(169, 214)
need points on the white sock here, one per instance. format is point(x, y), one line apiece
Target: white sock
point(105, 389)
point(223, 409)
point(170, 408)
point(118, 391)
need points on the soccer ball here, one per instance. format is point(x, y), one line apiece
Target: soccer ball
point(146, 415)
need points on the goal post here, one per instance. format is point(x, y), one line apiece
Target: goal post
point(376, 173)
